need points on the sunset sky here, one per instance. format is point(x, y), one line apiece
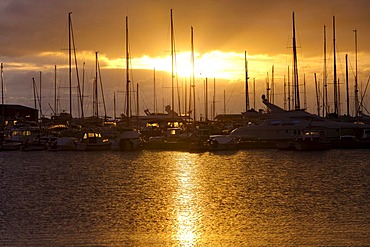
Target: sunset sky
point(34, 38)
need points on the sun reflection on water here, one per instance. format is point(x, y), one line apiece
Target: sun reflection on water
point(186, 209)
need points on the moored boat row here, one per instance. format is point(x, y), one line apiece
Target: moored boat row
point(276, 129)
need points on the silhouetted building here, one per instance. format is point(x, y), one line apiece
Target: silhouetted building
point(18, 112)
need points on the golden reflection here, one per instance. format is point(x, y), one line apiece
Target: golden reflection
point(187, 213)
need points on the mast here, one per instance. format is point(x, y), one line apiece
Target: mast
point(272, 85)
point(172, 67)
point(137, 101)
point(114, 106)
point(96, 103)
point(268, 87)
point(224, 102)
point(2, 96)
point(83, 85)
point(214, 99)
point(41, 115)
point(347, 88)
point(186, 96)
point(289, 98)
point(70, 61)
point(325, 79)
point(246, 82)
point(254, 93)
point(206, 99)
point(127, 75)
point(2, 84)
point(317, 96)
point(154, 94)
point(335, 72)
point(193, 71)
point(357, 107)
point(55, 90)
point(305, 92)
point(34, 92)
point(102, 92)
point(297, 104)
point(285, 96)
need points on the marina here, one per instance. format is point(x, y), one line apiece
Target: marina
point(184, 123)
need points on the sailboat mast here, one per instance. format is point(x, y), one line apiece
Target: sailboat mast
point(34, 92)
point(214, 99)
point(55, 90)
point(2, 96)
point(172, 66)
point(246, 82)
point(335, 71)
point(102, 92)
point(297, 104)
point(347, 87)
point(127, 74)
point(193, 71)
point(96, 103)
point(268, 87)
point(325, 105)
point(254, 93)
point(114, 106)
point(305, 92)
point(289, 94)
point(317, 97)
point(83, 85)
point(273, 85)
point(356, 78)
point(206, 99)
point(2, 85)
point(70, 61)
point(285, 97)
point(40, 97)
point(224, 102)
point(137, 100)
point(154, 94)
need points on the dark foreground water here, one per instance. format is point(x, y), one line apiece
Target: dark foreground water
point(244, 198)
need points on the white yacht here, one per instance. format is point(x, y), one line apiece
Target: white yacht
point(278, 125)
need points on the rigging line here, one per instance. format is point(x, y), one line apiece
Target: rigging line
point(102, 91)
point(363, 95)
point(141, 93)
point(132, 89)
point(77, 74)
point(231, 95)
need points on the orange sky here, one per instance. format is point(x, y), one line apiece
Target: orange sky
point(34, 38)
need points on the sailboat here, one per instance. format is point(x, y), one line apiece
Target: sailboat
point(127, 138)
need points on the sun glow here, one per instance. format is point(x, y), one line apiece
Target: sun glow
point(214, 64)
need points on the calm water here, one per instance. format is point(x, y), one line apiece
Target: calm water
point(244, 198)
